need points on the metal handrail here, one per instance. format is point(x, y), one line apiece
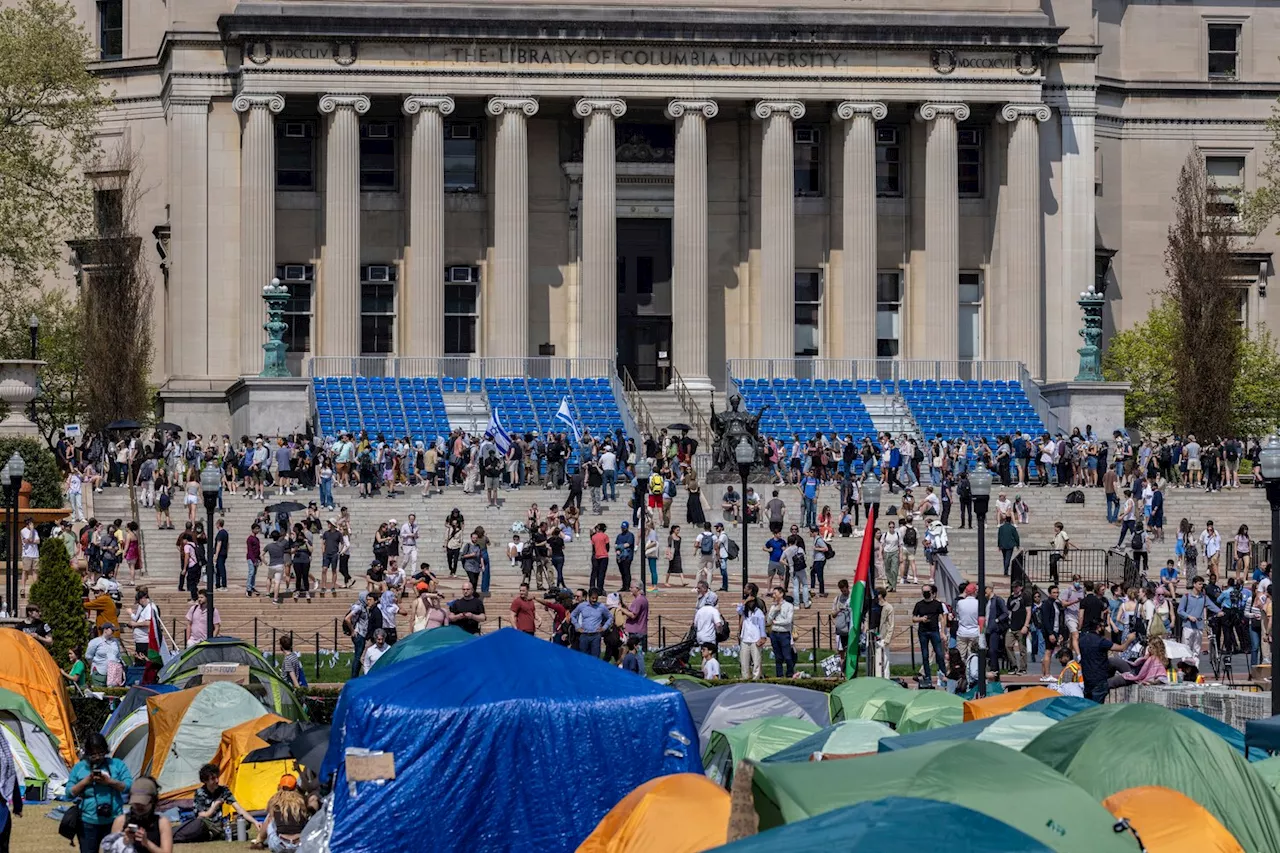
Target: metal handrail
point(690, 407)
point(637, 404)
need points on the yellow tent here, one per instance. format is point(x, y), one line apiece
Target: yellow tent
point(1006, 703)
point(27, 669)
point(683, 813)
point(252, 782)
point(1169, 821)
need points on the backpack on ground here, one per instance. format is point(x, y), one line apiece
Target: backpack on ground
point(910, 538)
point(1076, 497)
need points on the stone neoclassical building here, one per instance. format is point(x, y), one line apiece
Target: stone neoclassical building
point(670, 184)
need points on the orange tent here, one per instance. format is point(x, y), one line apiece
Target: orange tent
point(27, 669)
point(1006, 703)
point(1169, 821)
point(682, 813)
point(252, 784)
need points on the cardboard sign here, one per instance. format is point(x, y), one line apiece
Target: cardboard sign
point(236, 673)
point(378, 767)
point(71, 431)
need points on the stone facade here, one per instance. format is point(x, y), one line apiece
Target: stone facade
point(649, 185)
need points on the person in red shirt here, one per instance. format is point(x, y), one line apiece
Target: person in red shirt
point(558, 602)
point(525, 612)
point(599, 557)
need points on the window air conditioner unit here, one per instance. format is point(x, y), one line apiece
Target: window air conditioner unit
point(807, 135)
point(379, 130)
point(462, 131)
point(296, 130)
point(295, 272)
point(464, 275)
point(378, 273)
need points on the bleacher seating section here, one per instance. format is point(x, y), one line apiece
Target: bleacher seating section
point(525, 405)
point(394, 407)
point(806, 406)
point(988, 408)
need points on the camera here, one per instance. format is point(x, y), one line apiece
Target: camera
point(105, 811)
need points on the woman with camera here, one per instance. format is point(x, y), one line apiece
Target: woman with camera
point(140, 827)
point(100, 783)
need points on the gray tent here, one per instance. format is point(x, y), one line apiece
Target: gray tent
point(722, 707)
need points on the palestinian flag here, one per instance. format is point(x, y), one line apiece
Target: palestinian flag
point(858, 595)
point(158, 651)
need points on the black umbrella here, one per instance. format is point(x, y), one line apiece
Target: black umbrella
point(166, 426)
point(680, 427)
point(286, 506)
point(123, 425)
point(310, 747)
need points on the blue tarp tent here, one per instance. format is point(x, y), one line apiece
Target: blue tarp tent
point(504, 743)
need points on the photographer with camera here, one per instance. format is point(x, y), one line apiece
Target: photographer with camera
point(100, 783)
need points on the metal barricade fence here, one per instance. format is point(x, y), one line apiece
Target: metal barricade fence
point(1045, 567)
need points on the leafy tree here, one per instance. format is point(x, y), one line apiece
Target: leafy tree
point(49, 105)
point(1262, 205)
point(1143, 356)
point(1198, 262)
point(61, 399)
point(42, 469)
point(59, 593)
point(1255, 402)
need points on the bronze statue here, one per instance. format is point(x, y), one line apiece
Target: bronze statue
point(730, 428)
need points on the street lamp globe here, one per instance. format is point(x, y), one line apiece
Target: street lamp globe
point(17, 467)
point(871, 491)
point(643, 468)
point(980, 481)
point(210, 481)
point(1269, 459)
point(745, 452)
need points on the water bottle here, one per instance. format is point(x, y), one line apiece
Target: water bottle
point(242, 830)
point(226, 829)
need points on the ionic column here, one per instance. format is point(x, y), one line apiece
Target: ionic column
point(340, 273)
point(599, 278)
point(188, 302)
point(942, 231)
point(509, 303)
point(689, 238)
point(1020, 298)
point(423, 293)
point(858, 255)
point(257, 221)
point(778, 228)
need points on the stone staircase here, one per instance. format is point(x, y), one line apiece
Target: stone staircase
point(889, 413)
point(671, 609)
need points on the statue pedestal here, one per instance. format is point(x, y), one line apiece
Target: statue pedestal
point(17, 389)
point(269, 405)
point(1100, 404)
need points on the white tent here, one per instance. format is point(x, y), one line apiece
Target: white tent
point(34, 751)
point(127, 740)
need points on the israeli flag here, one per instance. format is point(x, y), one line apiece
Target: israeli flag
point(496, 431)
point(565, 416)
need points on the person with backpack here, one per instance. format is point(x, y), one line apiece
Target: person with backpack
point(1138, 545)
point(793, 559)
point(721, 546)
point(822, 552)
point(910, 539)
point(705, 545)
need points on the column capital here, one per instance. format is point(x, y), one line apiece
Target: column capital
point(330, 103)
point(502, 104)
point(848, 110)
point(415, 104)
point(246, 101)
point(931, 111)
point(586, 106)
point(677, 108)
point(1012, 112)
point(767, 109)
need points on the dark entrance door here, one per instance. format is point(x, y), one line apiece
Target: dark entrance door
point(644, 301)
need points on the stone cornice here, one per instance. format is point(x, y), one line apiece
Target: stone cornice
point(501, 104)
point(415, 104)
point(930, 111)
point(767, 109)
point(847, 110)
point(586, 106)
point(677, 108)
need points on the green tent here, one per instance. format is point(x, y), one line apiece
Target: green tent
point(929, 709)
point(422, 642)
point(985, 777)
point(850, 737)
point(859, 698)
point(1118, 746)
point(1269, 770)
point(266, 682)
point(752, 740)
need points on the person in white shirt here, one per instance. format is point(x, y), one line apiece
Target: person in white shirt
point(1211, 544)
point(751, 636)
point(710, 666)
point(409, 543)
point(707, 618)
point(375, 651)
point(1004, 508)
point(722, 556)
point(609, 467)
point(932, 503)
point(967, 622)
point(75, 492)
point(891, 548)
point(30, 551)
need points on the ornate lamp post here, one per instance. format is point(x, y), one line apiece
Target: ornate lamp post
point(273, 364)
point(871, 499)
point(745, 455)
point(34, 325)
point(644, 470)
point(1270, 463)
point(1090, 303)
point(210, 484)
point(980, 485)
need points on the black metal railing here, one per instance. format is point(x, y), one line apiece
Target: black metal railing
point(1045, 567)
